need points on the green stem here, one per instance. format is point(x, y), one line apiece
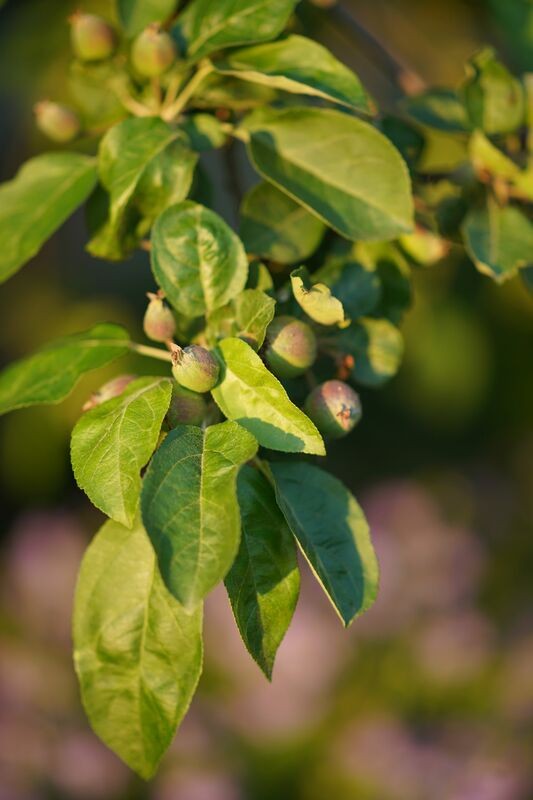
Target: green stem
point(185, 95)
point(150, 352)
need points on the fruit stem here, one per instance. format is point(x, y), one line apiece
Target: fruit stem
point(150, 352)
point(129, 103)
point(172, 111)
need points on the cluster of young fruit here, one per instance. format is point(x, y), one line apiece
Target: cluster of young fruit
point(290, 350)
point(94, 40)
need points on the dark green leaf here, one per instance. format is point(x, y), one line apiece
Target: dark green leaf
point(376, 347)
point(249, 394)
point(43, 194)
point(442, 109)
point(51, 374)
point(273, 226)
point(135, 15)
point(197, 259)
point(264, 581)
point(112, 442)
point(337, 166)
point(316, 299)
point(138, 654)
point(498, 240)
point(145, 165)
point(204, 132)
point(300, 66)
point(189, 506)
point(333, 534)
point(206, 26)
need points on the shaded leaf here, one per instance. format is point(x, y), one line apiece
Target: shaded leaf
point(138, 654)
point(112, 442)
point(43, 194)
point(135, 15)
point(498, 240)
point(247, 316)
point(189, 506)
point(264, 581)
point(316, 299)
point(337, 166)
point(274, 226)
point(493, 97)
point(51, 374)
point(376, 347)
point(298, 65)
point(333, 534)
point(197, 259)
point(205, 26)
point(249, 394)
point(438, 108)
point(145, 166)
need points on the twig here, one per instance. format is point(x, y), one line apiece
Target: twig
point(150, 352)
point(172, 111)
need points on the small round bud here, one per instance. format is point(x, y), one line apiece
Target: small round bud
point(153, 52)
point(334, 407)
point(195, 368)
point(159, 323)
point(58, 122)
point(186, 407)
point(112, 388)
point(93, 39)
point(290, 347)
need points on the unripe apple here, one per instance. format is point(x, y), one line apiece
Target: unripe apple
point(59, 123)
point(112, 388)
point(153, 52)
point(186, 407)
point(195, 368)
point(93, 39)
point(290, 347)
point(334, 407)
point(159, 323)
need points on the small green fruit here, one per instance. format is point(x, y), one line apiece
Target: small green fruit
point(159, 323)
point(153, 52)
point(112, 388)
point(195, 368)
point(290, 347)
point(186, 407)
point(334, 407)
point(59, 123)
point(93, 39)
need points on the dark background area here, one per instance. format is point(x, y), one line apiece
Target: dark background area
point(430, 696)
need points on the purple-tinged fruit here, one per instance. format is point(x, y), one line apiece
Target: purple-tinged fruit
point(159, 323)
point(290, 347)
point(195, 368)
point(334, 407)
point(186, 407)
point(93, 39)
point(112, 388)
point(59, 123)
point(153, 52)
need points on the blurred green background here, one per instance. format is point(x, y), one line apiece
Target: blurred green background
point(430, 695)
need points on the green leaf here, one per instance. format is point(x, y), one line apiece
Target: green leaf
point(189, 506)
point(197, 259)
point(205, 26)
point(221, 91)
point(249, 394)
point(486, 157)
point(138, 654)
point(493, 97)
point(394, 275)
point(441, 109)
point(273, 226)
point(112, 442)
point(247, 316)
point(135, 15)
point(204, 132)
point(43, 194)
point(333, 534)
point(51, 374)
point(298, 65)
point(264, 582)
point(337, 166)
point(498, 240)
point(316, 299)
point(145, 165)
point(376, 347)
